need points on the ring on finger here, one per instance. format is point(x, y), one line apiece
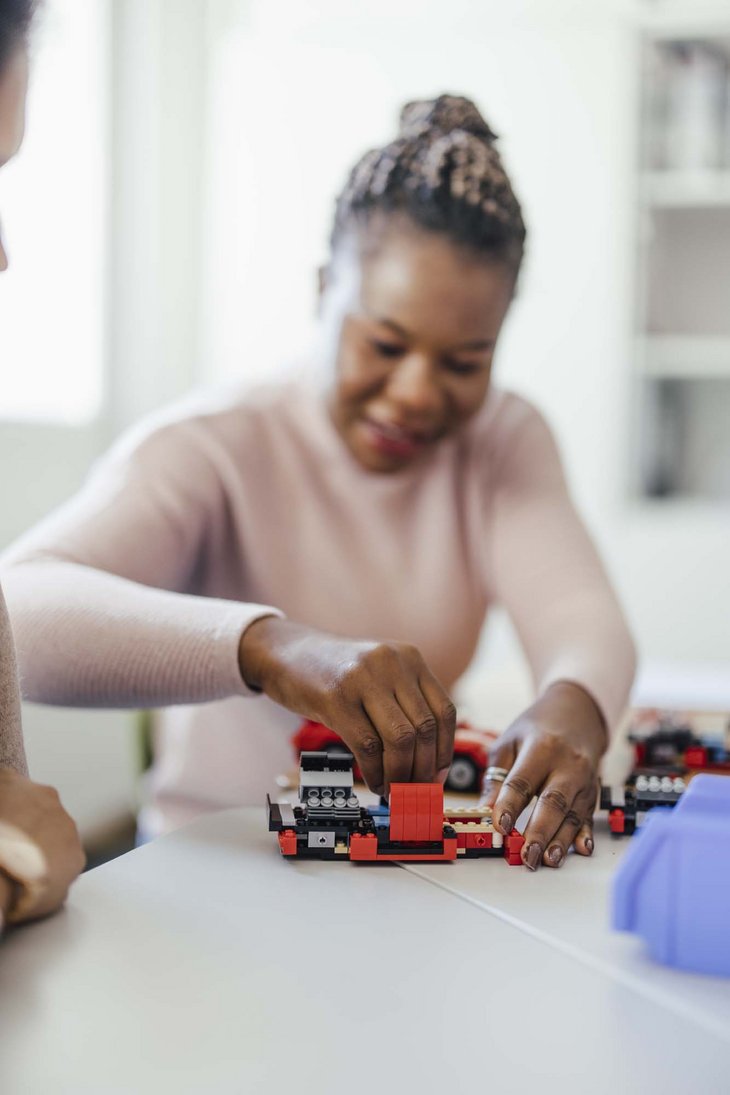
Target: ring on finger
point(495, 774)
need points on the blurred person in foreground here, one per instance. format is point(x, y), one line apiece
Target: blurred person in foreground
point(334, 541)
point(40, 852)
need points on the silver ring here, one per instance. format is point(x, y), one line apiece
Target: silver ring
point(496, 775)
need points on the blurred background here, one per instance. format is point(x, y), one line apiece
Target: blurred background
point(167, 214)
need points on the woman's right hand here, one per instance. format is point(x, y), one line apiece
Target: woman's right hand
point(380, 697)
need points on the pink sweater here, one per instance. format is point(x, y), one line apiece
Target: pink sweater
point(137, 591)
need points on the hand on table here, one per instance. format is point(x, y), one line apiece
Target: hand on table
point(380, 697)
point(551, 751)
point(40, 850)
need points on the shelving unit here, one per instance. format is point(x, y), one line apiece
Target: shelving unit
point(682, 346)
point(701, 189)
point(688, 357)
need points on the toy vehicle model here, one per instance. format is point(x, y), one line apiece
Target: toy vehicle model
point(328, 822)
point(665, 761)
point(471, 752)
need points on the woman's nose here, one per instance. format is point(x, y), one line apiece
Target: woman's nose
point(413, 386)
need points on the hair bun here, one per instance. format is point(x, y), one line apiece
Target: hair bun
point(435, 117)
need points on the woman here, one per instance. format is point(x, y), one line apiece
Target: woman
point(40, 853)
point(228, 550)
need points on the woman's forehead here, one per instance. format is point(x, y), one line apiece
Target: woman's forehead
point(418, 279)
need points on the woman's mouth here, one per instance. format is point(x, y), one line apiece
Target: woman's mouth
point(391, 440)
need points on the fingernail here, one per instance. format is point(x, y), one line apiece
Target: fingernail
point(533, 855)
point(556, 855)
point(505, 822)
point(443, 775)
point(588, 842)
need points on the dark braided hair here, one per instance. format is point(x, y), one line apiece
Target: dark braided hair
point(16, 17)
point(444, 172)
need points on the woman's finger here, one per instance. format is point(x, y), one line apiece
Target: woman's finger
point(413, 704)
point(398, 736)
point(576, 829)
point(500, 761)
point(584, 839)
point(363, 739)
point(525, 778)
point(444, 711)
point(563, 804)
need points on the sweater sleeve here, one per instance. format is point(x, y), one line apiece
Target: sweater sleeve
point(12, 753)
point(99, 593)
point(545, 570)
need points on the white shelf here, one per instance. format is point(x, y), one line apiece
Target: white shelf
point(686, 189)
point(685, 357)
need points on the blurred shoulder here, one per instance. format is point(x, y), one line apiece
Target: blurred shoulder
point(508, 422)
point(215, 421)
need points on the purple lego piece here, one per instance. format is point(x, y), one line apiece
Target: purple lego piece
point(673, 886)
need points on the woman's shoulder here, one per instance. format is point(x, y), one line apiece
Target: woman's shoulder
point(215, 420)
point(506, 418)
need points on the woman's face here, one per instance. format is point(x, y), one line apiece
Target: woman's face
point(411, 321)
point(13, 87)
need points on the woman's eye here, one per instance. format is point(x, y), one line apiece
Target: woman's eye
point(387, 349)
point(462, 368)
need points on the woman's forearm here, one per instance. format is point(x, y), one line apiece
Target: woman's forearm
point(85, 637)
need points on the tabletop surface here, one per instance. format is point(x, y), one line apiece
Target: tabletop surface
point(205, 962)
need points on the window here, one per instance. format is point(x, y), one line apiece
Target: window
point(53, 204)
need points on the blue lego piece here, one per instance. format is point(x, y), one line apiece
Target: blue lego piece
point(673, 886)
point(380, 815)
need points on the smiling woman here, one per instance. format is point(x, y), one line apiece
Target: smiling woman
point(225, 551)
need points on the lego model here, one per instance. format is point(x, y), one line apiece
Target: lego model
point(328, 822)
point(672, 888)
point(471, 752)
point(665, 761)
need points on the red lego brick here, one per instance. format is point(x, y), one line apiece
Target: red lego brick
point(436, 813)
point(416, 812)
point(396, 811)
point(616, 820)
point(288, 842)
point(423, 818)
point(513, 847)
point(696, 757)
point(364, 846)
point(409, 809)
point(477, 840)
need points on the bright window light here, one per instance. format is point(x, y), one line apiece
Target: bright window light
point(53, 206)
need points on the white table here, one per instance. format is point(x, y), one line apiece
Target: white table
point(206, 963)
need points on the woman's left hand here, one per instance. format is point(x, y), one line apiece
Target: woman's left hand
point(551, 751)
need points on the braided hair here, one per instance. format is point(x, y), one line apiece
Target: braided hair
point(16, 17)
point(444, 172)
